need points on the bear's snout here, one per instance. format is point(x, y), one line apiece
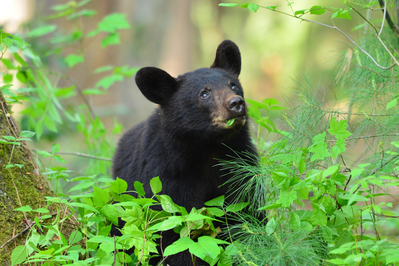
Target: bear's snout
point(236, 105)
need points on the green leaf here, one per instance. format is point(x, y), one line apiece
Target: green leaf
point(156, 185)
point(342, 14)
point(295, 221)
point(169, 223)
point(236, 207)
point(271, 226)
point(73, 59)
point(110, 212)
point(228, 4)
point(339, 148)
point(139, 188)
point(8, 64)
point(103, 69)
point(178, 246)
point(252, 7)
point(392, 103)
point(84, 13)
point(272, 7)
point(230, 122)
point(26, 134)
point(287, 198)
point(167, 204)
point(330, 171)
point(317, 10)
point(111, 39)
point(353, 197)
point(319, 148)
point(21, 77)
point(118, 186)
point(75, 237)
point(300, 12)
point(93, 92)
point(101, 196)
point(302, 166)
point(106, 82)
point(338, 129)
point(7, 78)
point(113, 22)
point(19, 254)
point(59, 158)
point(215, 211)
point(219, 201)
point(55, 148)
point(205, 247)
point(40, 31)
point(26, 208)
point(318, 216)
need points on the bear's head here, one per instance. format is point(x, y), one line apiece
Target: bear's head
point(208, 102)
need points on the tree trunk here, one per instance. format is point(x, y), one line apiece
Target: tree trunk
point(18, 187)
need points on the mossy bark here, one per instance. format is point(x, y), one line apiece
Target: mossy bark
point(18, 187)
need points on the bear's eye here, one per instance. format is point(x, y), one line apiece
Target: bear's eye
point(235, 88)
point(205, 94)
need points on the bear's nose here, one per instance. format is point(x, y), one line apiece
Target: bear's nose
point(236, 105)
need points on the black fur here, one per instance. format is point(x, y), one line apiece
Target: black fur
point(182, 140)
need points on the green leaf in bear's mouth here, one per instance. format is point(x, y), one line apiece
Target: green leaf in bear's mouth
point(230, 122)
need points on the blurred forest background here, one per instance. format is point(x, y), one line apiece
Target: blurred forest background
point(278, 52)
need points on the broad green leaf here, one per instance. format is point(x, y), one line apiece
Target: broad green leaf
point(101, 196)
point(118, 186)
point(271, 226)
point(75, 237)
point(287, 198)
point(26, 208)
point(167, 204)
point(83, 205)
point(338, 148)
point(178, 246)
point(40, 31)
point(18, 255)
point(93, 92)
point(236, 207)
point(302, 166)
point(169, 223)
point(8, 63)
point(295, 221)
point(26, 134)
point(219, 201)
point(215, 211)
point(21, 77)
point(230, 122)
point(205, 247)
point(59, 158)
point(84, 13)
point(7, 78)
point(139, 188)
point(252, 7)
point(319, 216)
point(107, 82)
point(113, 22)
point(156, 185)
point(317, 10)
point(110, 212)
point(338, 129)
point(300, 12)
point(73, 59)
point(111, 39)
point(330, 171)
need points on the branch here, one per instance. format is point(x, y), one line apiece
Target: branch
point(81, 155)
point(394, 29)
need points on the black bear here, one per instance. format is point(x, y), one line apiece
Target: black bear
point(201, 118)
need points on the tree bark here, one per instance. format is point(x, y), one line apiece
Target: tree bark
point(18, 187)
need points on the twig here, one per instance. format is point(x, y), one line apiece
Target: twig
point(389, 19)
point(81, 155)
point(17, 235)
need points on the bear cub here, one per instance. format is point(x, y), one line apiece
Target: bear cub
point(189, 132)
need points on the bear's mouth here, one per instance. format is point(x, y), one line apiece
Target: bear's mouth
point(232, 123)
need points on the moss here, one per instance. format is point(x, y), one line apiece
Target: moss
point(29, 183)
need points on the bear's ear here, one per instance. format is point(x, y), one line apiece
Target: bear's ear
point(155, 84)
point(228, 57)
